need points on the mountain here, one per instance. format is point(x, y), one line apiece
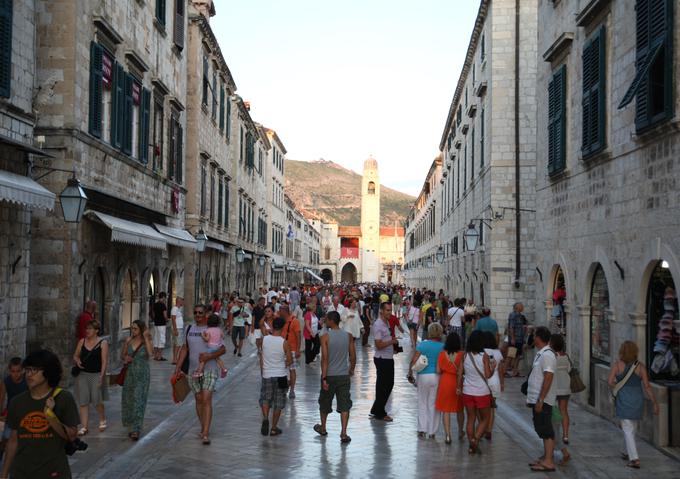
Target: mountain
point(323, 189)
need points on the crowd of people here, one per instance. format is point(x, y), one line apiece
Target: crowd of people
point(459, 365)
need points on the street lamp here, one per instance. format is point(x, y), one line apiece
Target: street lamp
point(240, 255)
point(471, 236)
point(73, 200)
point(440, 255)
point(201, 240)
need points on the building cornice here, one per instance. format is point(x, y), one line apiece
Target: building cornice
point(209, 37)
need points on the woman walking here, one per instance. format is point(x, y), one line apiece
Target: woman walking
point(91, 357)
point(472, 383)
point(135, 354)
point(352, 323)
point(563, 391)
point(448, 400)
point(311, 331)
point(428, 380)
point(497, 380)
point(629, 382)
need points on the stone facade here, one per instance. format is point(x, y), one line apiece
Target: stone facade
point(483, 146)
point(609, 221)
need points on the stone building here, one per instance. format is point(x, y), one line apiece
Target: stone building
point(488, 150)
point(20, 193)
point(368, 253)
point(110, 101)
point(277, 208)
point(608, 182)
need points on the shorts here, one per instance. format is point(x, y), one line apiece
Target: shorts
point(296, 362)
point(413, 326)
point(543, 421)
point(159, 337)
point(272, 395)
point(520, 349)
point(563, 397)
point(338, 387)
point(179, 339)
point(478, 402)
point(238, 332)
point(89, 389)
point(207, 382)
point(258, 334)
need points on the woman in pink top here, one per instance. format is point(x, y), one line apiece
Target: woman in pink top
point(311, 331)
point(215, 338)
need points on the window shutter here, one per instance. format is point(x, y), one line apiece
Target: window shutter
point(127, 117)
point(117, 105)
point(221, 108)
point(160, 11)
point(6, 16)
point(593, 101)
point(481, 141)
point(472, 157)
point(178, 35)
point(95, 115)
point(228, 119)
point(557, 89)
point(144, 125)
point(179, 152)
point(171, 148)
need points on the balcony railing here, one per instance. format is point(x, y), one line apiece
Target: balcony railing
point(347, 252)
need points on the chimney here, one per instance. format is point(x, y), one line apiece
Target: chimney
point(204, 7)
point(247, 105)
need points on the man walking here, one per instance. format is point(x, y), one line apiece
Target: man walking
point(274, 362)
point(160, 321)
point(177, 323)
point(383, 358)
point(516, 329)
point(237, 324)
point(338, 358)
point(203, 386)
point(541, 398)
point(292, 335)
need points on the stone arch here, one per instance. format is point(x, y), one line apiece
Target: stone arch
point(349, 273)
point(327, 275)
point(654, 252)
point(601, 259)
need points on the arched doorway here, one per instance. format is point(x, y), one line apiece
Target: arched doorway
point(327, 275)
point(558, 318)
point(663, 354)
point(600, 344)
point(349, 273)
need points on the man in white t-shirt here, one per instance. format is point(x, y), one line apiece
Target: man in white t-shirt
point(541, 397)
point(271, 294)
point(337, 306)
point(177, 322)
point(456, 315)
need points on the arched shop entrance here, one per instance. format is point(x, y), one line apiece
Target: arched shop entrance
point(327, 275)
point(349, 273)
point(663, 326)
point(558, 317)
point(600, 344)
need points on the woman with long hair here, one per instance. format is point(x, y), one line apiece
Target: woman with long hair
point(135, 354)
point(448, 400)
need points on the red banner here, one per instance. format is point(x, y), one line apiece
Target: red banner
point(346, 252)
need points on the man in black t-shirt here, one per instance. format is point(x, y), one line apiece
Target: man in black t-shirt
point(160, 321)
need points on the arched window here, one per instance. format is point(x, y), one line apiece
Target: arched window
point(327, 252)
point(371, 188)
point(600, 344)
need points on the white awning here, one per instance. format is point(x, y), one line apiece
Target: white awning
point(124, 231)
point(214, 245)
point(177, 236)
point(24, 191)
point(313, 275)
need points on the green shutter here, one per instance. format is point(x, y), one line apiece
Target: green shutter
point(6, 19)
point(178, 32)
point(221, 108)
point(95, 114)
point(472, 156)
point(171, 148)
point(593, 102)
point(179, 152)
point(117, 105)
point(557, 93)
point(481, 141)
point(144, 125)
point(127, 117)
point(228, 119)
point(160, 11)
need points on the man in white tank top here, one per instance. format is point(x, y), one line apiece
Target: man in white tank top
point(274, 362)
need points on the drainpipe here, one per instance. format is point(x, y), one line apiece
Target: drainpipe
point(517, 168)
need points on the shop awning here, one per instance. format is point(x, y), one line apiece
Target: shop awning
point(214, 245)
point(24, 191)
point(313, 274)
point(177, 236)
point(129, 232)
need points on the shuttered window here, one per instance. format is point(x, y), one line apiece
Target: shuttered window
point(472, 157)
point(126, 117)
point(179, 151)
point(481, 141)
point(221, 108)
point(171, 147)
point(228, 119)
point(144, 126)
point(6, 16)
point(160, 11)
point(96, 106)
point(557, 117)
point(593, 103)
point(206, 83)
point(178, 32)
point(652, 86)
point(118, 106)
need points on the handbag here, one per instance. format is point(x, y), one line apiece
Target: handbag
point(119, 379)
point(420, 364)
point(493, 399)
point(180, 388)
point(576, 384)
point(75, 370)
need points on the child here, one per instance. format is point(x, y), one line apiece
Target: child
point(214, 337)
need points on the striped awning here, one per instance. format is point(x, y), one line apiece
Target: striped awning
point(177, 236)
point(24, 191)
point(129, 232)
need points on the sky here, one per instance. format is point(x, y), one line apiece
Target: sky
point(345, 79)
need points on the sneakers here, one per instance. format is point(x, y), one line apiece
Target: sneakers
point(223, 373)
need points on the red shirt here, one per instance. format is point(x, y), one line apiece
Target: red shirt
point(84, 318)
point(394, 322)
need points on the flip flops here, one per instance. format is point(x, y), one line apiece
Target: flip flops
point(320, 430)
point(541, 468)
point(345, 439)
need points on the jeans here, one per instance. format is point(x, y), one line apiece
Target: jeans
point(383, 385)
point(628, 426)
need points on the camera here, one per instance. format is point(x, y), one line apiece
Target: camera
point(74, 446)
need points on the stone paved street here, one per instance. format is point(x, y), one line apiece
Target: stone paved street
point(170, 447)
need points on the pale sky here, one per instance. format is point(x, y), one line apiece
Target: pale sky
point(345, 79)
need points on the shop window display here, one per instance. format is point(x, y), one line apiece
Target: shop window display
point(663, 326)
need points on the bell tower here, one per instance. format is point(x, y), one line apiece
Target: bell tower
point(370, 222)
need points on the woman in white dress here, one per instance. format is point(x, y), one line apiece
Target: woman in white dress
point(352, 322)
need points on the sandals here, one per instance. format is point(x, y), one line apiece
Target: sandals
point(223, 374)
point(474, 446)
point(320, 430)
point(82, 431)
point(447, 440)
point(264, 430)
point(565, 459)
point(540, 467)
point(102, 425)
point(134, 436)
point(565, 440)
point(345, 439)
point(205, 440)
point(634, 464)
point(275, 431)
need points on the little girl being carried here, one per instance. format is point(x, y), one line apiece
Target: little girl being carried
point(214, 337)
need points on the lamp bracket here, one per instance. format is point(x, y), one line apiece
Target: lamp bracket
point(49, 171)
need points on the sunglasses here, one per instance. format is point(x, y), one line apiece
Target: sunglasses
point(198, 312)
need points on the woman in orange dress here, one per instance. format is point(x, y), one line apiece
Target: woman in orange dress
point(447, 400)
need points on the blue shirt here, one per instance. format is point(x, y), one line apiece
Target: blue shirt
point(487, 323)
point(431, 350)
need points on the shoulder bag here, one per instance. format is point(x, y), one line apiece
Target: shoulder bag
point(76, 370)
point(618, 386)
point(576, 384)
point(119, 379)
point(493, 399)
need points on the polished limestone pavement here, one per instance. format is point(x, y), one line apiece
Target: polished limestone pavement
point(171, 448)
